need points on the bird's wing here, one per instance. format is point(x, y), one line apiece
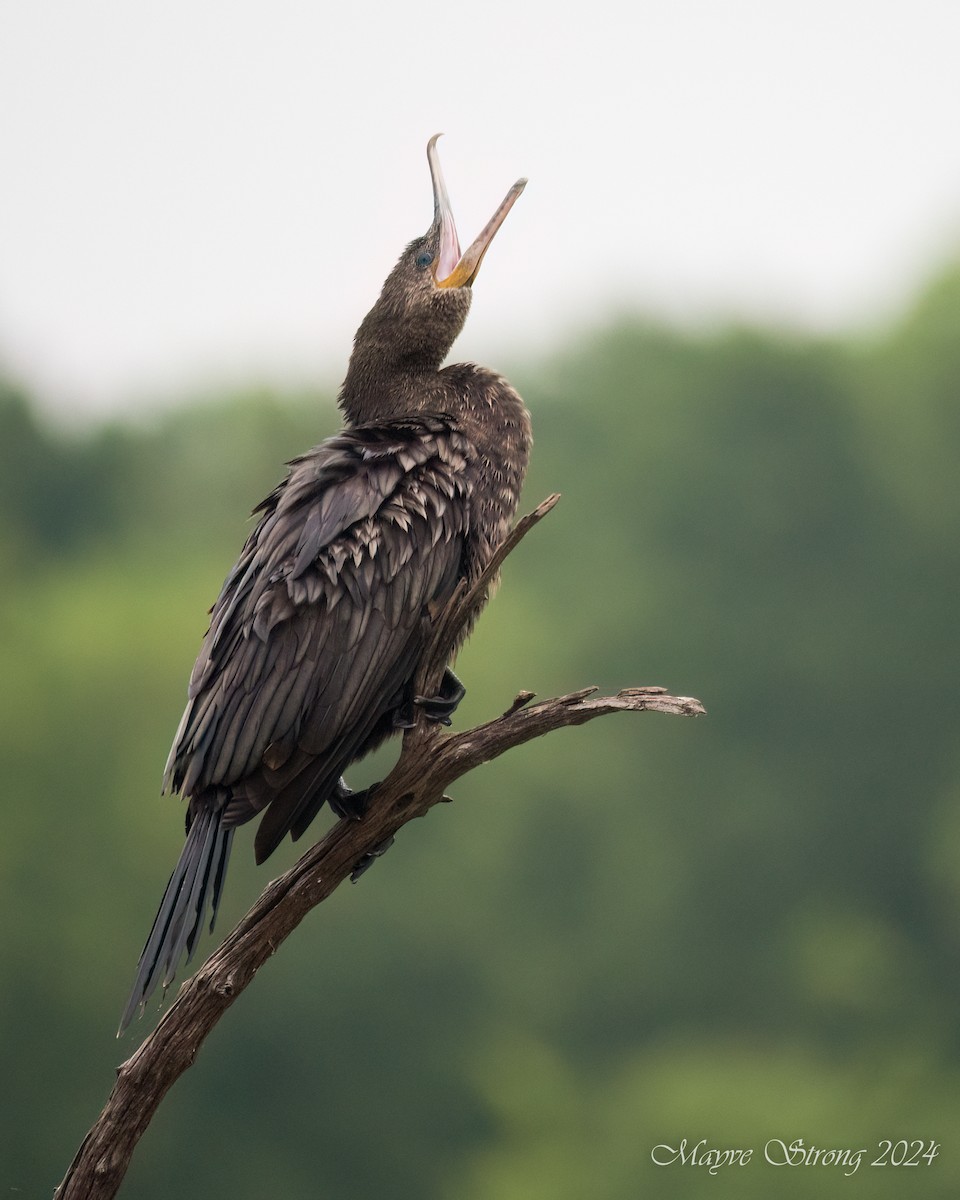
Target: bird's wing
point(323, 617)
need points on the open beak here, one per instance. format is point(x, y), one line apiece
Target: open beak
point(451, 268)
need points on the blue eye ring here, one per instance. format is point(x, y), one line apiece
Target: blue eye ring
point(424, 258)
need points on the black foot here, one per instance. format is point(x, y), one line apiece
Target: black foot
point(443, 705)
point(404, 715)
point(368, 860)
point(348, 804)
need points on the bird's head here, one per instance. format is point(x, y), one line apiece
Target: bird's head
point(426, 297)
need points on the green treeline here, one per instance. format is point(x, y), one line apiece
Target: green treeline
point(736, 929)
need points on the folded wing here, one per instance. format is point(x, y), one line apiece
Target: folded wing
point(320, 625)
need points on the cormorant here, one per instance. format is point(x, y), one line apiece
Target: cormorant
point(317, 633)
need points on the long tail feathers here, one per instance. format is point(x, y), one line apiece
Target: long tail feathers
point(196, 879)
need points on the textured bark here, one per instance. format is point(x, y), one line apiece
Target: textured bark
point(430, 760)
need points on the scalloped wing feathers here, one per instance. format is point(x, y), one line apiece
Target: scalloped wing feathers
point(320, 625)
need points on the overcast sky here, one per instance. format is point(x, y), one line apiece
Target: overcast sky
point(200, 193)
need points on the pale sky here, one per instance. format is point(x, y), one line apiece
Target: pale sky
point(196, 194)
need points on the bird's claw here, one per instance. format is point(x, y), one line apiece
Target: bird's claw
point(439, 708)
point(404, 717)
point(349, 805)
point(366, 862)
point(443, 705)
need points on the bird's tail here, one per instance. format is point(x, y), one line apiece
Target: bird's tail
point(197, 878)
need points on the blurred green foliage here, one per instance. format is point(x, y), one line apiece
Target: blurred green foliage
point(645, 930)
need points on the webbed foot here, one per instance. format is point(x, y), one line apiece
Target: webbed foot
point(404, 716)
point(347, 804)
point(443, 705)
point(367, 861)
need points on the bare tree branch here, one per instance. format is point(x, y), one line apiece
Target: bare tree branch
point(430, 760)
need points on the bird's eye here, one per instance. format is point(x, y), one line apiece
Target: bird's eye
point(424, 258)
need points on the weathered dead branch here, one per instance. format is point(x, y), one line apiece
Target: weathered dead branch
point(430, 760)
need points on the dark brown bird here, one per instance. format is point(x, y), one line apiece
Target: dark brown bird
point(317, 633)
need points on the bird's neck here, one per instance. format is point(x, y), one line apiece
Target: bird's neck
point(394, 369)
point(393, 372)
point(377, 389)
